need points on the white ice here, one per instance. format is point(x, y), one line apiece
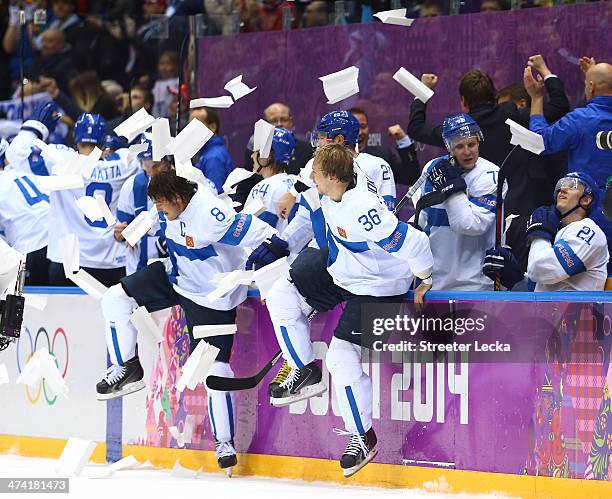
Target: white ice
point(133, 483)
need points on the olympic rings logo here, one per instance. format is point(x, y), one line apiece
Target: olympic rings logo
point(42, 335)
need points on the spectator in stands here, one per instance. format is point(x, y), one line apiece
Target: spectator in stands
point(271, 14)
point(315, 14)
point(277, 114)
point(492, 6)
point(77, 34)
point(54, 59)
point(404, 164)
point(515, 93)
point(86, 96)
point(214, 160)
point(430, 8)
point(167, 72)
point(575, 132)
point(477, 97)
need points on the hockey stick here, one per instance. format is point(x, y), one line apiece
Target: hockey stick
point(415, 187)
point(499, 210)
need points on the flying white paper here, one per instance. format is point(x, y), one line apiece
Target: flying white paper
point(70, 254)
point(222, 102)
point(525, 138)
point(262, 138)
point(341, 84)
point(135, 124)
point(397, 16)
point(189, 141)
point(237, 88)
point(88, 283)
point(161, 137)
point(411, 83)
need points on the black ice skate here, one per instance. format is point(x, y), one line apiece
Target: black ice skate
point(121, 380)
point(359, 451)
point(301, 383)
point(226, 455)
point(281, 376)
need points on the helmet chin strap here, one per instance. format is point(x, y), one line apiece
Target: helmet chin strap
point(563, 215)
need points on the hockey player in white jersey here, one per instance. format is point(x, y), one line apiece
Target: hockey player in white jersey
point(100, 254)
point(568, 250)
point(24, 211)
point(462, 227)
point(371, 257)
point(276, 181)
point(133, 200)
point(204, 237)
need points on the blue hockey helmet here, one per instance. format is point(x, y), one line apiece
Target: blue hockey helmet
point(573, 181)
point(334, 124)
point(283, 145)
point(114, 142)
point(459, 127)
point(90, 128)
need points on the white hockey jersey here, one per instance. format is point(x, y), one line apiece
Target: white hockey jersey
point(269, 191)
point(24, 211)
point(462, 228)
point(575, 262)
point(133, 200)
point(371, 252)
point(98, 247)
point(207, 238)
point(309, 223)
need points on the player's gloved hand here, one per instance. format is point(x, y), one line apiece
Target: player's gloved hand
point(543, 223)
point(267, 252)
point(43, 120)
point(501, 262)
point(446, 177)
point(161, 245)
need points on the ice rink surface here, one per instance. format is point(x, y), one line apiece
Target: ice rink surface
point(95, 482)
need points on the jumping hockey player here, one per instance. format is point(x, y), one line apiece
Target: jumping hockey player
point(133, 200)
point(276, 181)
point(371, 258)
point(100, 254)
point(568, 249)
point(204, 237)
point(463, 227)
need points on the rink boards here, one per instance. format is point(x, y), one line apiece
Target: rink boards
point(464, 422)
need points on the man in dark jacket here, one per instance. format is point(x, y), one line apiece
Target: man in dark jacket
point(477, 95)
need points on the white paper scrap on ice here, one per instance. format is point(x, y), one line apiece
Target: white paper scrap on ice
point(411, 83)
point(341, 84)
point(179, 471)
point(396, 16)
point(237, 88)
point(525, 138)
point(4, 376)
point(127, 463)
point(75, 456)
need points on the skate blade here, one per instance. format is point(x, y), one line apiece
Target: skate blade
point(229, 471)
point(351, 471)
point(127, 389)
point(305, 393)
